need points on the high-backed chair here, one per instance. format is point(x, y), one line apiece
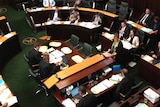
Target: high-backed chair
point(123, 11)
point(36, 76)
point(87, 50)
point(111, 6)
point(132, 91)
point(74, 41)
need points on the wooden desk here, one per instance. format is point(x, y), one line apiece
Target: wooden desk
point(9, 46)
point(138, 26)
point(4, 90)
point(140, 98)
point(63, 31)
point(149, 72)
point(4, 25)
point(40, 15)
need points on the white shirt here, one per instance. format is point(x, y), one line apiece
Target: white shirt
point(55, 17)
point(144, 18)
point(135, 41)
point(47, 3)
point(121, 34)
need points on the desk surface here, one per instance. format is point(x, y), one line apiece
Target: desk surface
point(68, 8)
point(139, 95)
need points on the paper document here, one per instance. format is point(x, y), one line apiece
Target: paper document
point(68, 103)
point(126, 44)
point(5, 94)
point(55, 44)
point(43, 49)
point(147, 58)
point(57, 53)
point(11, 101)
point(77, 58)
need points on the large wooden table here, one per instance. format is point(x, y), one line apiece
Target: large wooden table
point(4, 25)
point(67, 77)
point(149, 72)
point(9, 46)
point(140, 99)
point(40, 15)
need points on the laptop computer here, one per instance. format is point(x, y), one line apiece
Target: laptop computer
point(75, 93)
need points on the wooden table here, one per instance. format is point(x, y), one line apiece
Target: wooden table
point(9, 46)
point(140, 99)
point(4, 90)
point(4, 25)
point(38, 16)
point(149, 72)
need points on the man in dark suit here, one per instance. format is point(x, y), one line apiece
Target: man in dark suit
point(87, 100)
point(55, 15)
point(123, 31)
point(45, 68)
point(125, 85)
point(146, 18)
point(34, 54)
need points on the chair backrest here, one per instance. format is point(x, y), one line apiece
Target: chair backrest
point(134, 89)
point(87, 49)
point(74, 40)
point(27, 60)
point(123, 10)
point(111, 6)
point(141, 35)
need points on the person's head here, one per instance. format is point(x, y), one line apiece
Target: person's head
point(156, 19)
point(46, 57)
point(56, 9)
point(82, 90)
point(124, 71)
point(116, 37)
point(37, 46)
point(132, 32)
point(147, 11)
point(77, 2)
point(123, 24)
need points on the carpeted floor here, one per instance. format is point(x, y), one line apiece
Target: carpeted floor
point(15, 73)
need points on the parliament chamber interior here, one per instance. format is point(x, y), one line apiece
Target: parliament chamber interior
point(79, 53)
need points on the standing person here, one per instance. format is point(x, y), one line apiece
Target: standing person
point(87, 100)
point(74, 16)
point(34, 54)
point(49, 3)
point(146, 18)
point(123, 31)
point(55, 15)
point(125, 84)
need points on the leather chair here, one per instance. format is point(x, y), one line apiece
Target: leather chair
point(123, 11)
point(111, 6)
point(74, 41)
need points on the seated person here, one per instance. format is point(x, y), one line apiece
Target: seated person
point(146, 18)
point(1, 33)
point(125, 84)
point(55, 15)
point(87, 100)
point(155, 26)
point(33, 3)
point(134, 40)
point(49, 3)
point(156, 54)
point(34, 54)
point(74, 16)
point(45, 68)
point(123, 31)
point(97, 19)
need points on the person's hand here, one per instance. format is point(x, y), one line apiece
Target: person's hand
point(154, 56)
point(76, 101)
point(152, 52)
point(121, 31)
point(48, 19)
point(109, 50)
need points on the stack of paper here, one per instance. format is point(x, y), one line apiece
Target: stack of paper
point(43, 49)
point(148, 58)
point(68, 103)
point(77, 58)
point(116, 78)
point(126, 44)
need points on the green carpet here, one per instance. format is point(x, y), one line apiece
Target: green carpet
point(15, 73)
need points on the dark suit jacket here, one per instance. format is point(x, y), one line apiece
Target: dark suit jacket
point(125, 85)
point(149, 19)
point(46, 70)
point(51, 15)
point(126, 32)
point(34, 56)
point(34, 3)
point(157, 26)
point(87, 101)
